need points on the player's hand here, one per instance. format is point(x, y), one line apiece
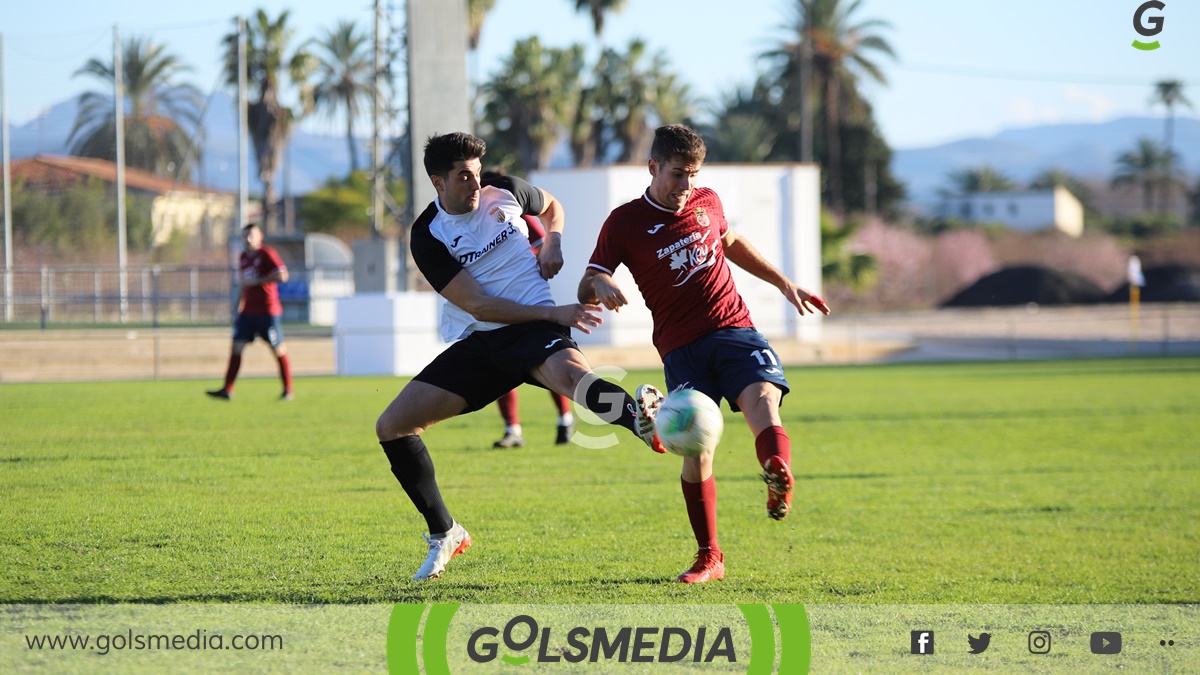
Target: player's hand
point(608, 293)
point(550, 259)
point(805, 301)
point(583, 317)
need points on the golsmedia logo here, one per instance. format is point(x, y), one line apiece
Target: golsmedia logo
point(1148, 25)
point(445, 638)
point(628, 644)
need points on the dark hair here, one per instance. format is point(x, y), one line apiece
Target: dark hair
point(492, 172)
point(677, 140)
point(441, 152)
point(248, 226)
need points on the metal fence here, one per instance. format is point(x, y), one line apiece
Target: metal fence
point(53, 295)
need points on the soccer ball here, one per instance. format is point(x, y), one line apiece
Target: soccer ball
point(689, 423)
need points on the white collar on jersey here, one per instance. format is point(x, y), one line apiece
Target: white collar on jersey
point(651, 202)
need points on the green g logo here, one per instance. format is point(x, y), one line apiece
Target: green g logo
point(1148, 26)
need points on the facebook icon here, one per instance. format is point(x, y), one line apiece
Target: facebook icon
point(922, 642)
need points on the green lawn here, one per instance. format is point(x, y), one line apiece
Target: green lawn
point(1072, 482)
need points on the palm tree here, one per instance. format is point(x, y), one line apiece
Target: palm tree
point(159, 114)
point(1170, 94)
point(1149, 167)
point(530, 101)
point(598, 9)
point(477, 11)
point(979, 179)
point(743, 130)
point(343, 79)
point(269, 119)
point(841, 50)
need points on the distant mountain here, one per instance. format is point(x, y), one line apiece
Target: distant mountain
point(1087, 150)
point(313, 158)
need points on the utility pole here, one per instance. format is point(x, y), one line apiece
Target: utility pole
point(377, 186)
point(243, 215)
point(8, 229)
point(119, 114)
point(806, 126)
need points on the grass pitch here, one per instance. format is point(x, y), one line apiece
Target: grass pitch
point(1071, 482)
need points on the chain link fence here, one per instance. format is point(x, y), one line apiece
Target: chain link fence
point(66, 295)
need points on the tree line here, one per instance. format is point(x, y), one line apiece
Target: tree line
point(540, 99)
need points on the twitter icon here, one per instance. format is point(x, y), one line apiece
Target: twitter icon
point(979, 644)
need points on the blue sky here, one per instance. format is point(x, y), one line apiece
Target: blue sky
point(964, 68)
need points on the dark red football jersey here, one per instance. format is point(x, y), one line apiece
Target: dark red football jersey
point(678, 263)
point(261, 300)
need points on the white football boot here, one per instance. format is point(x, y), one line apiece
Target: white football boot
point(441, 550)
point(649, 399)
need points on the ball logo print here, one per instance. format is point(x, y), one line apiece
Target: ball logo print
point(1148, 25)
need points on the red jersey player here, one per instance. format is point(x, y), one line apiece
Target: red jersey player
point(675, 241)
point(260, 271)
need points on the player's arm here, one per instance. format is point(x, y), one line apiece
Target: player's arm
point(467, 294)
point(553, 217)
point(740, 252)
point(598, 288)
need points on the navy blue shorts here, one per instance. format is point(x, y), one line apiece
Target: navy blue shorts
point(723, 363)
point(489, 363)
point(269, 328)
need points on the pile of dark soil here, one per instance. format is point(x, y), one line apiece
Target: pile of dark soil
point(1025, 284)
point(1169, 283)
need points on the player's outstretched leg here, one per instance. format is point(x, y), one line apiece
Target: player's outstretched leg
point(568, 372)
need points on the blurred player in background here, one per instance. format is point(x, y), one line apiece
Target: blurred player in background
point(675, 241)
point(509, 403)
point(260, 271)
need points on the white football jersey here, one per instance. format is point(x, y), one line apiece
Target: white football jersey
point(491, 243)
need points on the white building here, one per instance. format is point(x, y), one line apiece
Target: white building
point(1026, 210)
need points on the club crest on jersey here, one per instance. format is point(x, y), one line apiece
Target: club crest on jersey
point(498, 213)
point(702, 217)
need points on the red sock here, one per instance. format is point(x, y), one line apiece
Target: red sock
point(285, 373)
point(235, 363)
point(773, 442)
point(701, 500)
point(563, 403)
point(508, 408)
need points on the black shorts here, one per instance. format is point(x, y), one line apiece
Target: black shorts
point(723, 363)
point(249, 326)
point(487, 364)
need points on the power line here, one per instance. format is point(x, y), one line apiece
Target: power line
point(1025, 75)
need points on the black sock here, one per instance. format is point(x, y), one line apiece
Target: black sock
point(413, 467)
point(610, 403)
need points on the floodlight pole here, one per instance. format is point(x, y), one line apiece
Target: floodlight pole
point(8, 229)
point(119, 116)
